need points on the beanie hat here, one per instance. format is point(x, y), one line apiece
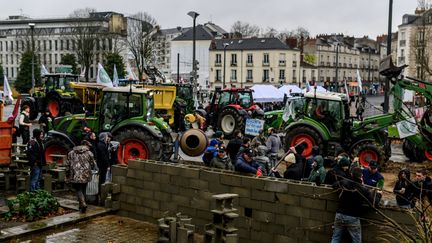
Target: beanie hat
point(218, 134)
point(344, 162)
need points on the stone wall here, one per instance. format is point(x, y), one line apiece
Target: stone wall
point(271, 210)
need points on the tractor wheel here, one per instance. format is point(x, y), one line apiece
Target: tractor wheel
point(55, 146)
point(53, 106)
point(305, 134)
point(415, 154)
point(33, 109)
point(367, 151)
point(137, 144)
point(229, 121)
point(167, 148)
point(65, 107)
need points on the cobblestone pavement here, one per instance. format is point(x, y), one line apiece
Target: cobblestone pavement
point(111, 228)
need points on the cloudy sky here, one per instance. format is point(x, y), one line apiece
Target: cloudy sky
point(351, 17)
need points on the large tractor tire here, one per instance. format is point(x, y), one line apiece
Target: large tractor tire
point(33, 108)
point(56, 150)
point(415, 154)
point(304, 134)
point(137, 144)
point(54, 106)
point(367, 151)
point(230, 121)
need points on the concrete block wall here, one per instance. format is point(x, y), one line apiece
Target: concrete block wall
point(271, 210)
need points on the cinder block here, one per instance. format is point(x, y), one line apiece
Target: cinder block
point(180, 181)
point(322, 215)
point(168, 188)
point(331, 206)
point(300, 189)
point(181, 200)
point(316, 225)
point(325, 193)
point(131, 199)
point(204, 214)
point(171, 207)
point(273, 207)
point(119, 170)
point(144, 210)
point(190, 173)
point(200, 204)
point(262, 216)
point(152, 167)
point(151, 204)
point(146, 194)
point(162, 196)
point(231, 179)
point(298, 211)
point(189, 211)
point(198, 184)
point(262, 236)
point(288, 221)
point(171, 170)
point(288, 199)
point(249, 203)
point(115, 205)
point(151, 186)
point(205, 194)
point(275, 186)
point(161, 178)
point(119, 179)
point(263, 195)
point(244, 233)
point(286, 239)
point(115, 189)
point(143, 175)
point(313, 203)
point(188, 192)
point(127, 207)
point(136, 164)
point(252, 182)
point(128, 189)
point(210, 176)
point(242, 192)
point(156, 214)
point(218, 188)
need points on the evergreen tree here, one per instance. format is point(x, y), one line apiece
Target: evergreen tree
point(70, 59)
point(1, 75)
point(111, 59)
point(23, 84)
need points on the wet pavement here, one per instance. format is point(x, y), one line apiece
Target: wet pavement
point(109, 228)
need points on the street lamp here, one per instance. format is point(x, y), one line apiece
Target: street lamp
point(225, 45)
point(369, 69)
point(32, 25)
point(389, 40)
point(194, 15)
point(336, 84)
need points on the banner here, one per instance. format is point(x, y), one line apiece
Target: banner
point(407, 127)
point(44, 71)
point(359, 81)
point(7, 92)
point(115, 77)
point(254, 127)
point(102, 77)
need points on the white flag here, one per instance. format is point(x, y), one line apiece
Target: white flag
point(308, 86)
point(130, 74)
point(82, 74)
point(7, 92)
point(102, 77)
point(359, 81)
point(44, 71)
point(115, 77)
point(346, 87)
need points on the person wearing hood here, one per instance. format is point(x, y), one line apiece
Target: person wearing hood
point(402, 189)
point(234, 145)
point(45, 121)
point(222, 160)
point(310, 160)
point(79, 164)
point(103, 156)
point(339, 172)
point(318, 172)
point(36, 158)
point(262, 159)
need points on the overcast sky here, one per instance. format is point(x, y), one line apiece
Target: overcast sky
point(351, 17)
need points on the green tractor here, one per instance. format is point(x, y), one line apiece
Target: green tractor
point(55, 94)
point(127, 113)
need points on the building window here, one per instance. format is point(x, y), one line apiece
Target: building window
point(12, 59)
point(67, 44)
point(55, 59)
point(233, 59)
point(7, 59)
point(218, 60)
point(282, 59)
point(11, 46)
point(249, 59)
point(249, 76)
point(233, 75)
point(282, 74)
point(12, 72)
point(218, 75)
point(266, 59)
point(6, 46)
point(55, 45)
point(266, 75)
point(294, 78)
point(1, 45)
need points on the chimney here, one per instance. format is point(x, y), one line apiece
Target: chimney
point(291, 42)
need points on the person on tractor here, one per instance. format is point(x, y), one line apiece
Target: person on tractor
point(322, 114)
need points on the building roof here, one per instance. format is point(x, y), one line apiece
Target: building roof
point(250, 44)
point(95, 16)
point(326, 95)
point(408, 19)
point(203, 32)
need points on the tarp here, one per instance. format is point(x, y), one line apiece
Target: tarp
point(318, 89)
point(267, 93)
point(288, 89)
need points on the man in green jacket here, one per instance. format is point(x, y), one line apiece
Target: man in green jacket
point(318, 172)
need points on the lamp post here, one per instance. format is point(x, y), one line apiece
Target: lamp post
point(369, 69)
point(194, 15)
point(389, 40)
point(225, 45)
point(32, 25)
point(336, 84)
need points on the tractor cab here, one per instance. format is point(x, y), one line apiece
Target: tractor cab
point(59, 82)
point(327, 108)
point(241, 98)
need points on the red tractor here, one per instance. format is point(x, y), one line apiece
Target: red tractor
point(230, 108)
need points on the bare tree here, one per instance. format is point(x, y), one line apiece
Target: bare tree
point(85, 34)
point(243, 29)
point(270, 32)
point(142, 28)
point(421, 48)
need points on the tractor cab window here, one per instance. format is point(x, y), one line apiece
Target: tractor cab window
point(65, 82)
point(245, 99)
point(117, 107)
point(328, 112)
point(224, 99)
point(293, 107)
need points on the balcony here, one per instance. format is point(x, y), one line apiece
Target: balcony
point(249, 64)
point(294, 63)
point(249, 80)
point(218, 64)
point(294, 79)
point(217, 80)
point(266, 64)
point(282, 63)
point(266, 79)
point(328, 64)
point(281, 79)
point(233, 64)
point(402, 43)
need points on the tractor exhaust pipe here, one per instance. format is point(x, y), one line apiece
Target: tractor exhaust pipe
point(193, 142)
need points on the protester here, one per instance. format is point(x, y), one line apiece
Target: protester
point(262, 159)
point(339, 171)
point(245, 145)
point(222, 160)
point(25, 124)
point(402, 189)
point(79, 164)
point(310, 160)
point(246, 164)
point(283, 168)
point(422, 186)
point(273, 144)
point(234, 145)
point(318, 172)
point(218, 137)
point(210, 153)
point(36, 159)
point(348, 213)
point(103, 157)
point(258, 140)
point(45, 121)
point(372, 177)
point(297, 171)
point(91, 137)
